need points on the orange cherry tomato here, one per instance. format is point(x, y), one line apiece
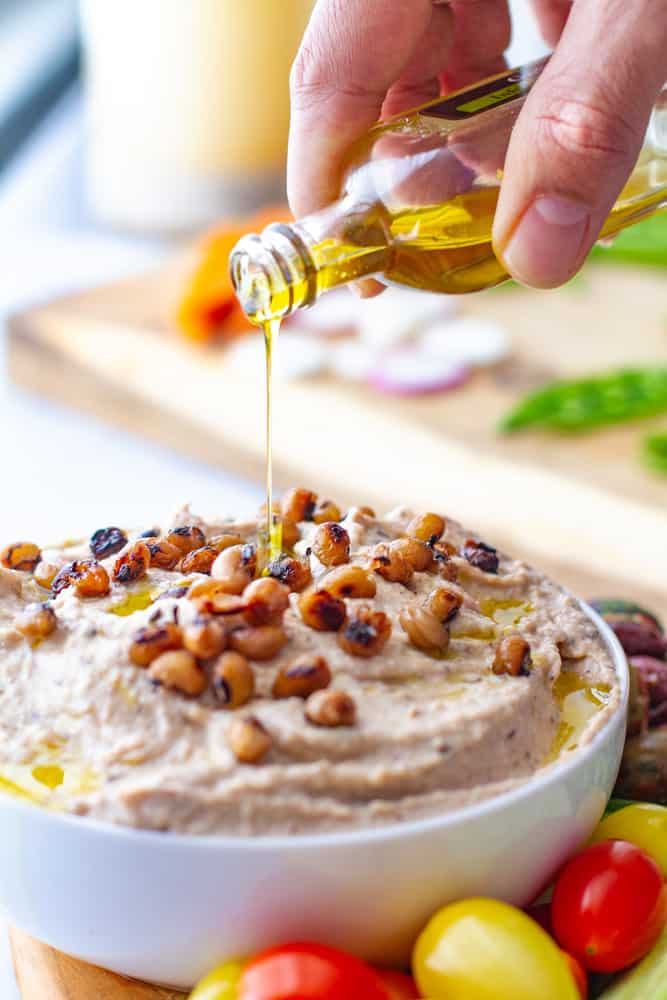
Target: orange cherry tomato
point(609, 906)
point(579, 974)
point(398, 985)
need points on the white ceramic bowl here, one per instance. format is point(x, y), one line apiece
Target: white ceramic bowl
point(166, 908)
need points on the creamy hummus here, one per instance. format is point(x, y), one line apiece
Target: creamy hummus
point(83, 729)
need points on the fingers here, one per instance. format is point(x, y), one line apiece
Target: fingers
point(552, 16)
point(578, 137)
point(482, 32)
point(352, 53)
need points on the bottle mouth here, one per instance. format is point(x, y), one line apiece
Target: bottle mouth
point(272, 273)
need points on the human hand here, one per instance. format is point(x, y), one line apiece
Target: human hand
point(575, 142)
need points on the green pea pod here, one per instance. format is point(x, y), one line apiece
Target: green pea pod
point(655, 451)
point(581, 404)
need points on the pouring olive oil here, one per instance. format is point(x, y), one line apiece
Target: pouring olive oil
point(417, 205)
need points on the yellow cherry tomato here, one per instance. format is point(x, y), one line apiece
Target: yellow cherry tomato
point(644, 825)
point(481, 949)
point(221, 984)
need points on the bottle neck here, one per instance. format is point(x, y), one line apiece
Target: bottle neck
point(287, 267)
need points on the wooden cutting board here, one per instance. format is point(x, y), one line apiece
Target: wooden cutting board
point(583, 507)
point(45, 974)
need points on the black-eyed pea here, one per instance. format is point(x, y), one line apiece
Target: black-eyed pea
point(199, 560)
point(444, 603)
point(266, 601)
point(326, 510)
point(163, 554)
point(294, 573)
point(302, 677)
point(235, 567)
point(423, 629)
point(233, 680)
point(89, 579)
point(205, 637)
point(322, 611)
point(225, 541)
point(36, 621)
point(178, 670)
point(151, 641)
point(418, 554)
point(365, 633)
point(443, 553)
point(390, 563)
point(512, 657)
point(107, 542)
point(298, 505)
point(331, 544)
point(46, 572)
point(248, 739)
point(132, 564)
point(331, 708)
point(21, 556)
point(290, 533)
point(186, 538)
point(481, 556)
point(426, 527)
point(349, 581)
point(258, 642)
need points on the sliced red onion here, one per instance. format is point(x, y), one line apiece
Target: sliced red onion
point(415, 373)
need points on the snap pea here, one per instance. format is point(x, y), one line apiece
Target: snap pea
point(655, 451)
point(586, 403)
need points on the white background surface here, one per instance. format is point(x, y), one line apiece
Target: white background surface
point(64, 475)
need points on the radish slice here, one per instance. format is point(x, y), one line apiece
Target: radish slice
point(416, 373)
point(400, 313)
point(466, 341)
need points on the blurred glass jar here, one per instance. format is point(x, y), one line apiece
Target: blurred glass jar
point(187, 107)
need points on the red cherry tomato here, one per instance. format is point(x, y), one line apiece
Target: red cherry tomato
point(609, 906)
point(303, 971)
point(397, 985)
point(579, 974)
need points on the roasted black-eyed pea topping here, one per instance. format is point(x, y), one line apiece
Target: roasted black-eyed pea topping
point(205, 637)
point(331, 544)
point(302, 677)
point(258, 642)
point(187, 538)
point(298, 505)
point(322, 611)
point(331, 708)
point(163, 554)
point(87, 576)
point(480, 555)
point(178, 670)
point(326, 510)
point(150, 533)
point(423, 629)
point(235, 568)
point(225, 541)
point(365, 633)
point(248, 739)
point(444, 603)
point(418, 554)
point(22, 556)
point(290, 533)
point(199, 560)
point(426, 527)
point(266, 601)
point(107, 542)
point(442, 560)
point(294, 573)
point(151, 641)
point(389, 562)
point(512, 657)
point(233, 680)
point(36, 621)
point(349, 581)
point(132, 564)
point(45, 573)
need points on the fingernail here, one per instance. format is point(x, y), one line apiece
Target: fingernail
point(547, 245)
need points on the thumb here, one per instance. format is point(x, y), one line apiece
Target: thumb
point(578, 137)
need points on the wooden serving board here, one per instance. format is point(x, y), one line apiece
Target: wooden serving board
point(583, 507)
point(45, 974)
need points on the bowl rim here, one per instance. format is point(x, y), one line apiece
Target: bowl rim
point(365, 836)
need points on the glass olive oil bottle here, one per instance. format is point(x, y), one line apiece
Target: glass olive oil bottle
point(417, 204)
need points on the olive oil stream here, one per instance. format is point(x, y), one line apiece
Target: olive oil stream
point(272, 543)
